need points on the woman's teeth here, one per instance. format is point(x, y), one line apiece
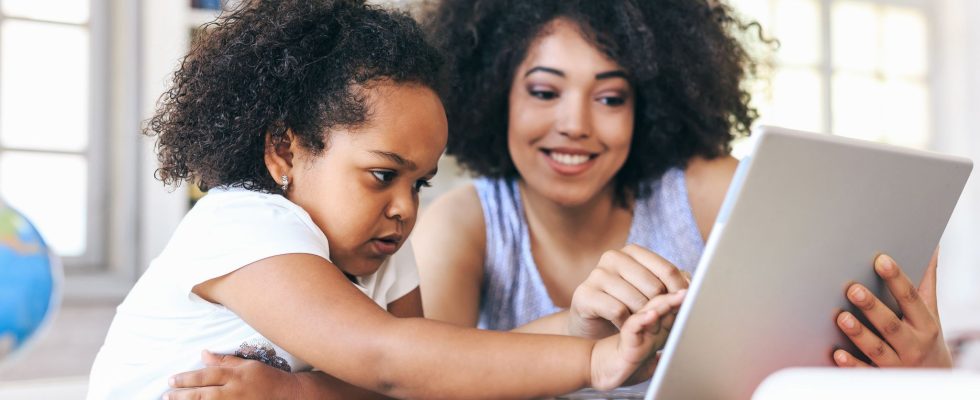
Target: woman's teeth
point(569, 159)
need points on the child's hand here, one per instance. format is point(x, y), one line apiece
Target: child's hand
point(629, 356)
point(230, 377)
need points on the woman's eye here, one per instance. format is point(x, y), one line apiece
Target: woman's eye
point(612, 100)
point(384, 176)
point(543, 94)
point(421, 183)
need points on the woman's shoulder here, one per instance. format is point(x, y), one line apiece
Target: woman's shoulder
point(449, 243)
point(711, 171)
point(455, 216)
point(707, 183)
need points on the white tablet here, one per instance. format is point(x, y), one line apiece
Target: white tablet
point(804, 217)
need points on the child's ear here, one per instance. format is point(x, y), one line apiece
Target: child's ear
point(279, 154)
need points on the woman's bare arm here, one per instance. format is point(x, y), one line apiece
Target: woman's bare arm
point(707, 183)
point(449, 245)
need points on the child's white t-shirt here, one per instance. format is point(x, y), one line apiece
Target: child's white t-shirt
point(161, 327)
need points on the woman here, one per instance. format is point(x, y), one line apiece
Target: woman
point(614, 127)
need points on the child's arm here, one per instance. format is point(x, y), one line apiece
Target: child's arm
point(310, 309)
point(230, 377)
point(227, 376)
point(640, 335)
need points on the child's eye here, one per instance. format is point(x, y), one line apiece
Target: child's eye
point(384, 176)
point(421, 183)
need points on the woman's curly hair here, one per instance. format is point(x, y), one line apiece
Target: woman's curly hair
point(680, 56)
point(269, 66)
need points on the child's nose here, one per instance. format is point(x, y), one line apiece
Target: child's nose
point(403, 207)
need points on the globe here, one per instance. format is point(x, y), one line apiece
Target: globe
point(30, 283)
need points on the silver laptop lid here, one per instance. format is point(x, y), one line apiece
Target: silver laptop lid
point(804, 217)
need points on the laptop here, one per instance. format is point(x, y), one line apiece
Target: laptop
point(805, 216)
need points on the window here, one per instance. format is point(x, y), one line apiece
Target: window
point(50, 124)
point(856, 68)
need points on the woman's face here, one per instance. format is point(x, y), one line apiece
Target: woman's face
point(362, 192)
point(570, 117)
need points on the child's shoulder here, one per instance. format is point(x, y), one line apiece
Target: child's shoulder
point(238, 204)
point(225, 196)
point(228, 229)
point(245, 216)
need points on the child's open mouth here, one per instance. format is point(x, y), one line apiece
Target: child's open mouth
point(387, 245)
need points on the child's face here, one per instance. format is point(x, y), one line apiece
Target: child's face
point(363, 190)
point(570, 117)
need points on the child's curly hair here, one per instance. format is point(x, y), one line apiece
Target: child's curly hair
point(270, 66)
point(680, 55)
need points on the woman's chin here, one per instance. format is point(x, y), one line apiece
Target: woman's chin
point(572, 197)
point(567, 193)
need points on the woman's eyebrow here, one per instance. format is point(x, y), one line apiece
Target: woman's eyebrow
point(611, 74)
point(600, 76)
point(545, 69)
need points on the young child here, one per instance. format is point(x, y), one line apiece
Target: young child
point(314, 124)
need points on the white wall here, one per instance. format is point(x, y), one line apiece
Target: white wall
point(165, 40)
point(957, 112)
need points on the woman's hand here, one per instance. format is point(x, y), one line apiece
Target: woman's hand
point(619, 286)
point(915, 340)
point(630, 357)
point(230, 377)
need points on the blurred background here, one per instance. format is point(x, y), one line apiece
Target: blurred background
point(78, 78)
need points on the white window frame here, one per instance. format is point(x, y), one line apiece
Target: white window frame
point(828, 71)
point(114, 186)
point(95, 155)
point(825, 66)
point(149, 38)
